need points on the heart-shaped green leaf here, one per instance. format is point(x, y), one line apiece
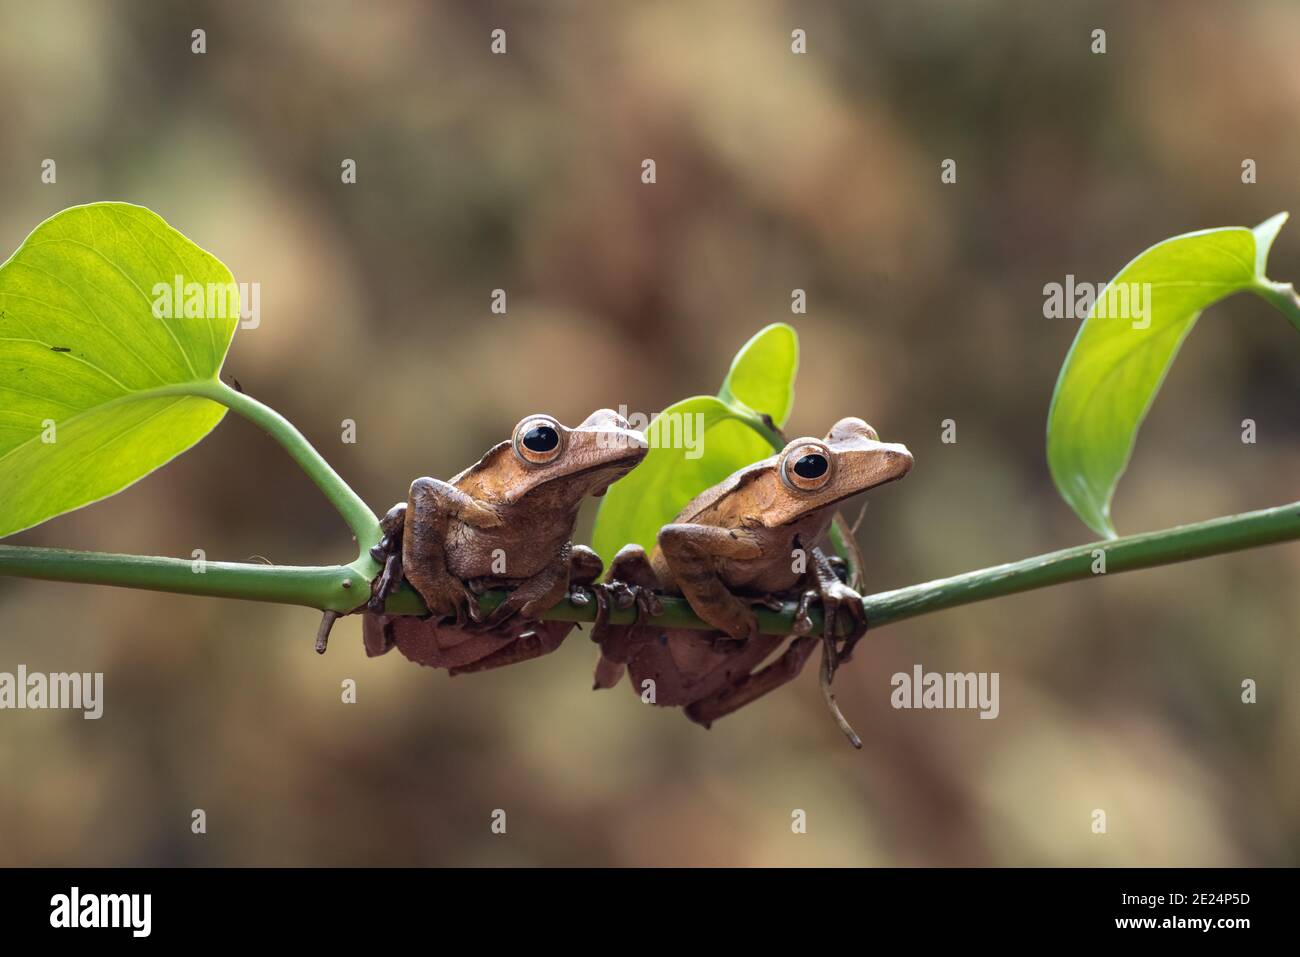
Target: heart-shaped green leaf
point(761, 377)
point(96, 358)
point(697, 442)
point(1124, 348)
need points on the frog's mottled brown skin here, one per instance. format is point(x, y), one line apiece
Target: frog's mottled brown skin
point(503, 523)
point(730, 548)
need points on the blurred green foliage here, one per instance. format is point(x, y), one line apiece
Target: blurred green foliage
point(775, 172)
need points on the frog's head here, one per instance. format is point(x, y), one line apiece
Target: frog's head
point(570, 464)
point(815, 474)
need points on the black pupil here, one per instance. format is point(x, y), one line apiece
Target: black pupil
point(543, 438)
point(810, 466)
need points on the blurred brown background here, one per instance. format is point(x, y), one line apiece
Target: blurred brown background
point(775, 171)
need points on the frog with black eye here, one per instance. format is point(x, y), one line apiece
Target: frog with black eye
point(503, 523)
point(749, 540)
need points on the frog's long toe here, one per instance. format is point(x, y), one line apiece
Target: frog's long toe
point(387, 582)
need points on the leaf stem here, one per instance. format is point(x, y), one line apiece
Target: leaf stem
point(337, 588)
point(357, 514)
point(1282, 296)
point(344, 588)
point(1165, 547)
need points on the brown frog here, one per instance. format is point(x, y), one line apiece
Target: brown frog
point(503, 523)
point(746, 541)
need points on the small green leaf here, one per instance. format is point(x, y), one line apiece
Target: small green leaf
point(1116, 365)
point(725, 433)
point(92, 383)
point(761, 377)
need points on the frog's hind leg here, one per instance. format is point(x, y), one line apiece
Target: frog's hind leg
point(751, 687)
point(376, 634)
point(540, 638)
point(632, 581)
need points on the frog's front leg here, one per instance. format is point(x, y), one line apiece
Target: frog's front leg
point(388, 552)
point(431, 507)
point(585, 567)
point(834, 595)
point(531, 597)
point(542, 637)
point(691, 552)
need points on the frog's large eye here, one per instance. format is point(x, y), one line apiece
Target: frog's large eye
point(538, 439)
point(806, 467)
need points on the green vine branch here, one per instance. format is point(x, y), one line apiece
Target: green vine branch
point(357, 514)
point(345, 588)
point(338, 588)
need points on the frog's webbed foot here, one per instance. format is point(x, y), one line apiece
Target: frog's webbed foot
point(632, 582)
point(388, 552)
point(644, 599)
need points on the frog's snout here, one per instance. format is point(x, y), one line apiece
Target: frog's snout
point(635, 442)
point(887, 462)
point(899, 457)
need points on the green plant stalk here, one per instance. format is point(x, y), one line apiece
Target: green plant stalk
point(357, 514)
point(324, 588)
point(1282, 296)
point(339, 588)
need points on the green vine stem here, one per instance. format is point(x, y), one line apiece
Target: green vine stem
point(1282, 296)
point(357, 514)
point(339, 588)
point(345, 588)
